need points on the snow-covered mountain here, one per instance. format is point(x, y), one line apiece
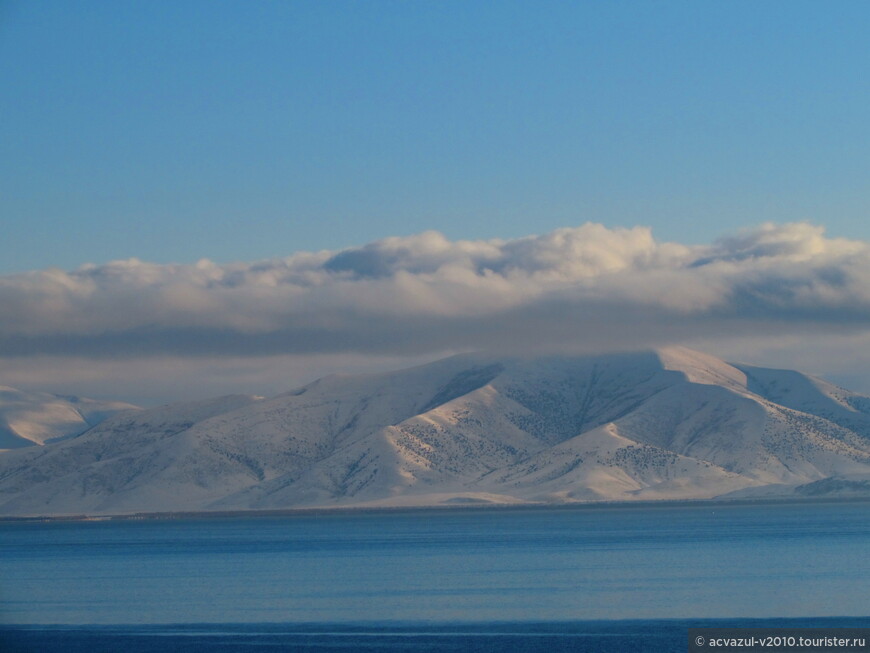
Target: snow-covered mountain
point(35, 418)
point(668, 424)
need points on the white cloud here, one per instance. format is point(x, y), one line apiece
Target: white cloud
point(587, 287)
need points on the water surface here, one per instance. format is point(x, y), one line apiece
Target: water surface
point(461, 566)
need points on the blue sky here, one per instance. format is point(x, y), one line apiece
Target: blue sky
point(174, 131)
point(237, 132)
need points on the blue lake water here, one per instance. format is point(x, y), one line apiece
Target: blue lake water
point(445, 569)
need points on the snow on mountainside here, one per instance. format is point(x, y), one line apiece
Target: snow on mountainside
point(669, 424)
point(35, 418)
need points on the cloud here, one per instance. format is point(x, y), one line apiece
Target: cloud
point(158, 379)
point(587, 287)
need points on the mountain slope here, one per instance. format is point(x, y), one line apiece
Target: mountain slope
point(35, 418)
point(670, 424)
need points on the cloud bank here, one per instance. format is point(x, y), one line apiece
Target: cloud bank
point(583, 288)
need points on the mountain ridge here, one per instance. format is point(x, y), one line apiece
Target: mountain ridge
point(658, 425)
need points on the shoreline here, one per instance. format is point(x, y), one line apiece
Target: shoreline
point(322, 511)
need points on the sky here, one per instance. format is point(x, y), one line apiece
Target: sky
point(209, 197)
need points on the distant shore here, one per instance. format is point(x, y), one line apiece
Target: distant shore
point(469, 507)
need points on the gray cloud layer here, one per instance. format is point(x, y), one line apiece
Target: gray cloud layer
point(585, 288)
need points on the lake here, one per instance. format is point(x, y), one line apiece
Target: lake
point(530, 573)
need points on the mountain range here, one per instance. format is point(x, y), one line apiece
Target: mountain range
point(669, 424)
